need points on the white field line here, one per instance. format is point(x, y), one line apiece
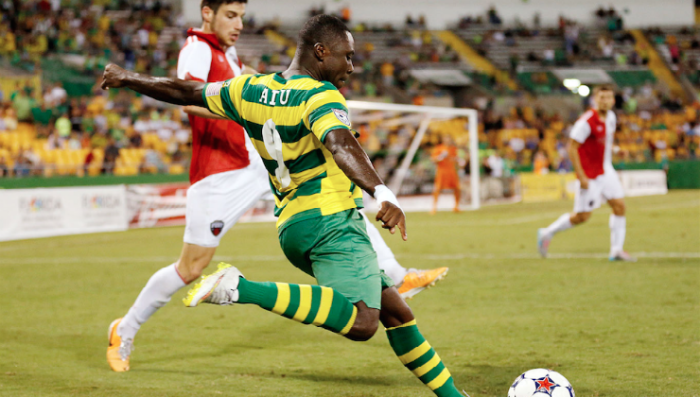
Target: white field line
point(551, 215)
point(281, 258)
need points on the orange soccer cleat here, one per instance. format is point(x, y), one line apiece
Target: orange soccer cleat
point(118, 351)
point(418, 280)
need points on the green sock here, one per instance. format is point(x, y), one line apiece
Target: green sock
point(308, 304)
point(416, 354)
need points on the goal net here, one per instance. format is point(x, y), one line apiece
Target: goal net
point(399, 138)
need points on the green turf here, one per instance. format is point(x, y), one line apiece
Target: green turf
point(612, 329)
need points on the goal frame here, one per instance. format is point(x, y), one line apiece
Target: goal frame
point(431, 112)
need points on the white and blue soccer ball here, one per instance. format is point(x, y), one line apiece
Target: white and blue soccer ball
point(541, 383)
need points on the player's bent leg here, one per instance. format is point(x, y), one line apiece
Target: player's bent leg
point(336, 250)
point(545, 235)
point(366, 323)
point(585, 201)
point(579, 218)
point(193, 260)
point(214, 205)
point(157, 292)
point(414, 352)
point(308, 304)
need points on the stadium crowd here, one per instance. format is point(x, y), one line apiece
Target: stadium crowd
point(118, 132)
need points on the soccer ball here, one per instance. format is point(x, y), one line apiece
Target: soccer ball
point(541, 383)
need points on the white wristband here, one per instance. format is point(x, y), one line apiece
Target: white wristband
point(383, 193)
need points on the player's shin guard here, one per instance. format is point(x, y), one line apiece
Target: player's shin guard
point(419, 357)
point(308, 304)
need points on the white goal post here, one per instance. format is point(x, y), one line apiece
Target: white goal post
point(431, 113)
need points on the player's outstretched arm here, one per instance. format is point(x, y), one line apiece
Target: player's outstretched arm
point(175, 91)
point(202, 112)
point(350, 157)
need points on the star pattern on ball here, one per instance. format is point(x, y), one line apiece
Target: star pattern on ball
point(545, 384)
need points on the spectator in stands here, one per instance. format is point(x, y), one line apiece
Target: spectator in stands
point(495, 164)
point(10, 119)
point(493, 16)
point(76, 119)
point(605, 44)
point(59, 94)
point(409, 21)
point(42, 116)
point(514, 60)
point(548, 56)
point(111, 155)
point(571, 36)
point(63, 127)
point(135, 139)
point(387, 71)
point(74, 141)
point(23, 105)
point(153, 161)
point(18, 88)
point(22, 165)
point(32, 161)
point(4, 169)
point(541, 163)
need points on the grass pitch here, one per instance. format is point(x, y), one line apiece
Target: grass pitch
point(630, 329)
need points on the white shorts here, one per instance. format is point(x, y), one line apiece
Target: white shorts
point(215, 203)
point(606, 186)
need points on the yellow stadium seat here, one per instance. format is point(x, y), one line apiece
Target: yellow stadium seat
point(176, 169)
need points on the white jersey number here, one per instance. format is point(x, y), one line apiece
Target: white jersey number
point(273, 145)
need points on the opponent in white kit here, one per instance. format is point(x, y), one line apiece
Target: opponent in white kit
point(590, 151)
point(227, 178)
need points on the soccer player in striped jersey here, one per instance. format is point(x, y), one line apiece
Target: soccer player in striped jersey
point(299, 124)
point(227, 178)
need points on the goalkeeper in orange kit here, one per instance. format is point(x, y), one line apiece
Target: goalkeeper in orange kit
point(445, 155)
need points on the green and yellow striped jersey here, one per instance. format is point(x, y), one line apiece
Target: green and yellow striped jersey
point(288, 120)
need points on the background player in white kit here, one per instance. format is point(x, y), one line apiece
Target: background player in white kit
point(228, 178)
point(590, 151)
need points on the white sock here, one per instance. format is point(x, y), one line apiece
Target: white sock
point(618, 229)
point(157, 292)
point(385, 257)
point(562, 223)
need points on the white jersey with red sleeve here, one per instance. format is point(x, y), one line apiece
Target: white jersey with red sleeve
point(217, 145)
point(194, 61)
point(596, 140)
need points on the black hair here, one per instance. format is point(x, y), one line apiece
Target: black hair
point(322, 28)
point(604, 87)
point(215, 4)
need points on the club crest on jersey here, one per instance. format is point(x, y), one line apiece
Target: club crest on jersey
point(342, 116)
point(216, 227)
